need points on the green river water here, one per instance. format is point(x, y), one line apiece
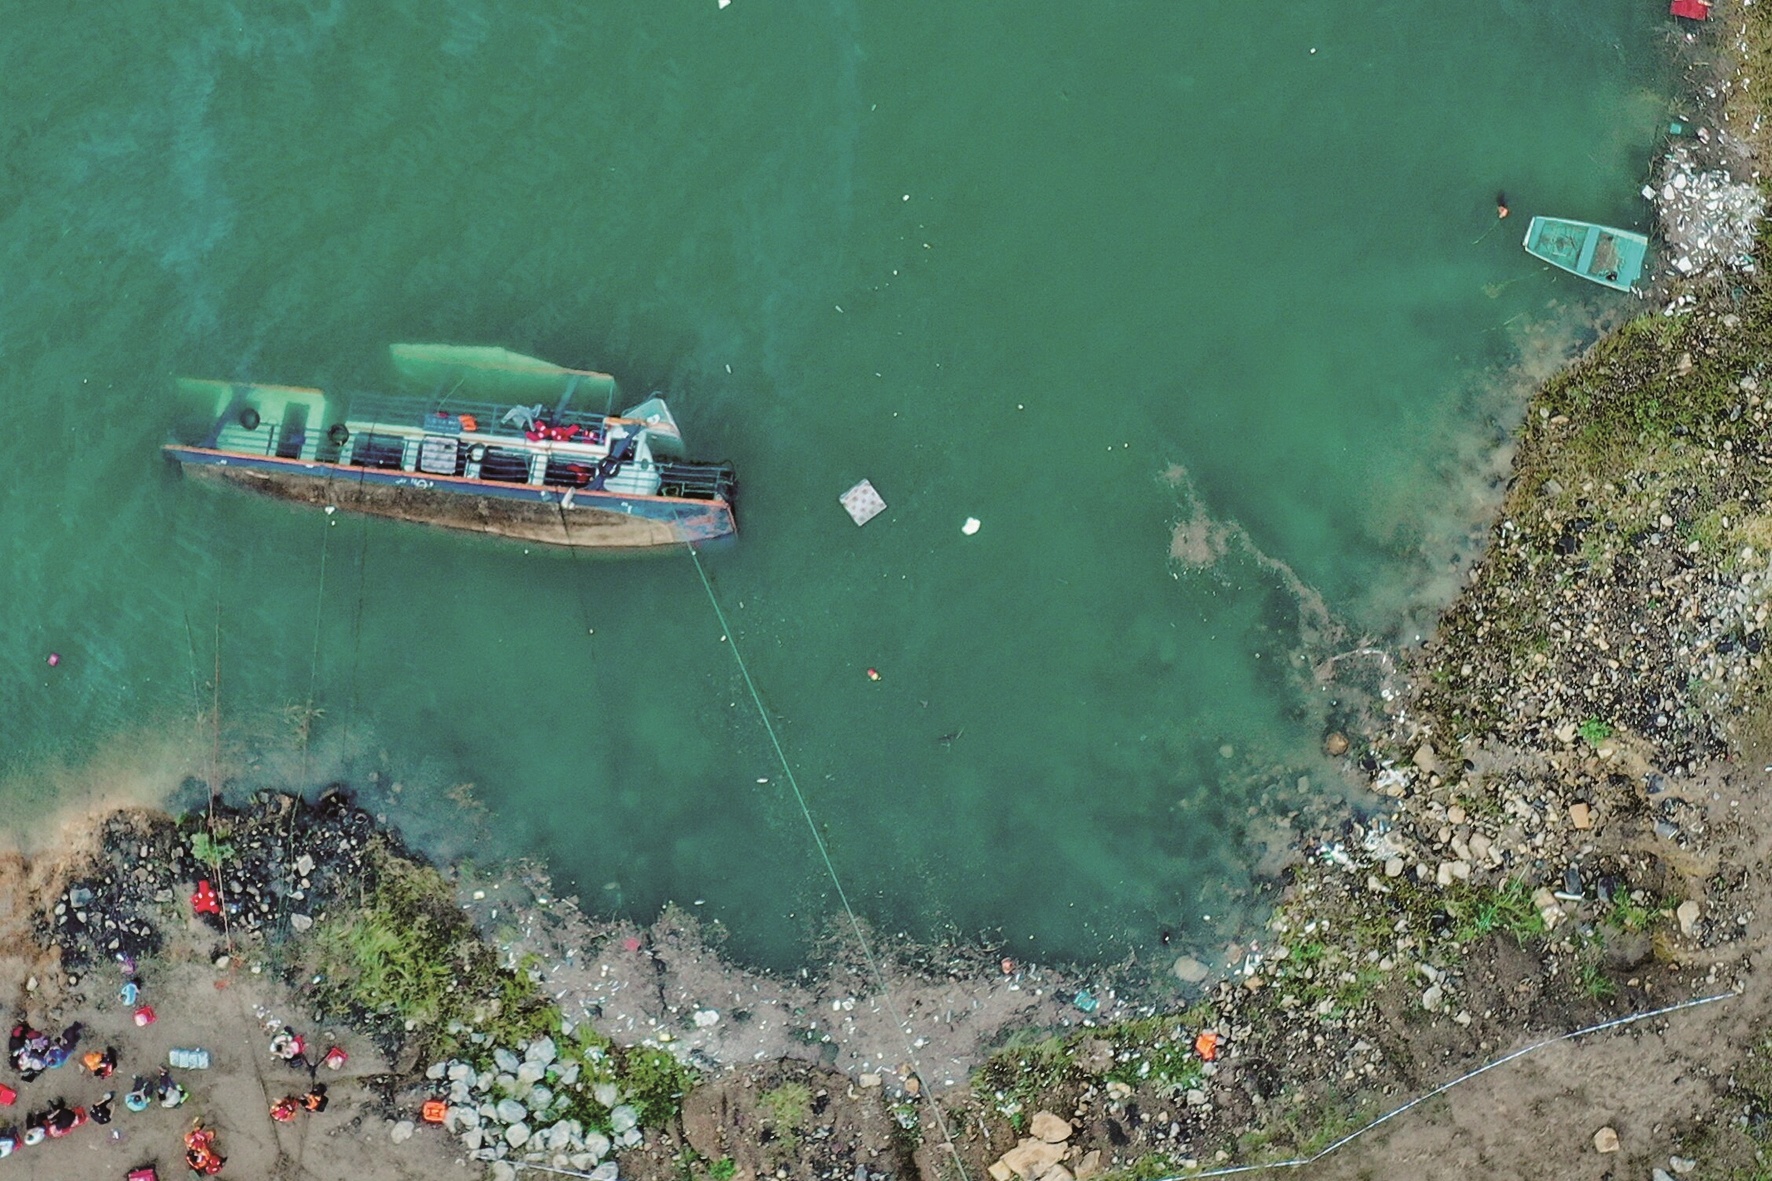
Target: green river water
point(1079, 271)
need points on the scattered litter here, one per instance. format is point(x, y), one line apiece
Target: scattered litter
point(55, 658)
point(1708, 218)
point(1206, 1046)
point(873, 674)
point(863, 503)
point(1085, 1000)
point(970, 527)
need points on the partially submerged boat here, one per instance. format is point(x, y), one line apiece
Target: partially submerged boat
point(1610, 257)
point(484, 440)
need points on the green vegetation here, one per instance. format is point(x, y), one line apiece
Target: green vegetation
point(210, 851)
point(1595, 731)
point(1162, 1056)
point(655, 1083)
point(1628, 913)
point(1014, 1079)
point(723, 1169)
point(1506, 909)
point(1027, 1074)
point(407, 964)
point(788, 1108)
point(1591, 980)
point(1305, 1122)
point(1149, 1167)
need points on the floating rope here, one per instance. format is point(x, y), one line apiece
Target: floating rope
point(824, 853)
point(1300, 1162)
point(307, 722)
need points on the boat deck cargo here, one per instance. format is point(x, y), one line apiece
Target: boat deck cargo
point(498, 443)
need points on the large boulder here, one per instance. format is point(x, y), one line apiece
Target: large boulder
point(1032, 1158)
point(1050, 1128)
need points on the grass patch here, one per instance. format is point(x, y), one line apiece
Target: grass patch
point(1506, 910)
point(1155, 1052)
point(1594, 731)
point(788, 1108)
point(1306, 1123)
point(1016, 1078)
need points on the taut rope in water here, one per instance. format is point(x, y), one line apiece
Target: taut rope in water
point(861, 939)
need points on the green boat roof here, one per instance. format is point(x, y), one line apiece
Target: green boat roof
point(497, 374)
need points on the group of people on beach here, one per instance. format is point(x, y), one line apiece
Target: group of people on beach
point(31, 1052)
point(292, 1048)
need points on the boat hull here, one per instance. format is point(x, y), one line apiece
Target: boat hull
point(571, 517)
point(1600, 254)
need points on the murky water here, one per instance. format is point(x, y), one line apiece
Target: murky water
point(1079, 274)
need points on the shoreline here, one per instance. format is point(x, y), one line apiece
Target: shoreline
point(1565, 825)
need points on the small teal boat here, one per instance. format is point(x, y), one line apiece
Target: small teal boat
point(1612, 258)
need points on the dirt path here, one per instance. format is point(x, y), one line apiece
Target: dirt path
point(1650, 1083)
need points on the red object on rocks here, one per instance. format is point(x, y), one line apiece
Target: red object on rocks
point(8, 1096)
point(205, 900)
point(144, 1174)
point(1691, 9)
point(145, 1015)
point(335, 1058)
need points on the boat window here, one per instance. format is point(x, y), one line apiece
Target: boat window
point(383, 451)
point(506, 464)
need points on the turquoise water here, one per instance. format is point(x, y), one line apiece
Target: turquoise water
point(1079, 273)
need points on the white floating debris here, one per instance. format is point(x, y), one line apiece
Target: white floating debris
point(863, 503)
point(970, 527)
point(724, 3)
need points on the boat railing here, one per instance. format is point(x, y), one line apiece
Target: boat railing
point(444, 415)
point(695, 481)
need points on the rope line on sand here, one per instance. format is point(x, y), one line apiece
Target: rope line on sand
point(824, 853)
point(1299, 1162)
